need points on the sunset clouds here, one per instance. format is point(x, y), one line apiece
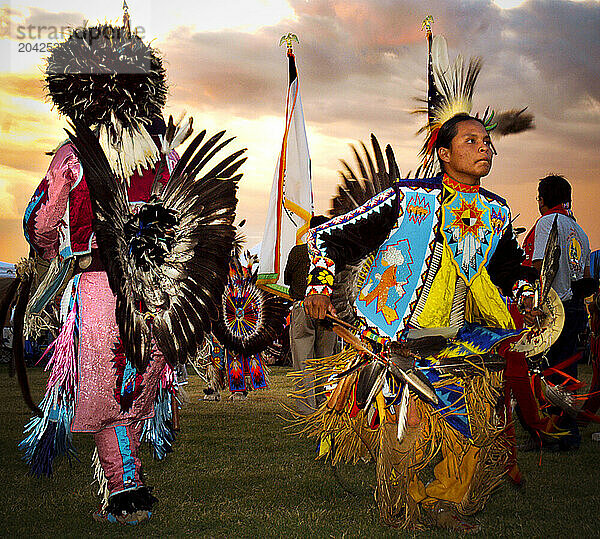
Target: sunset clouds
point(361, 64)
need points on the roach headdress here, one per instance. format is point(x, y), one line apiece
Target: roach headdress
point(450, 88)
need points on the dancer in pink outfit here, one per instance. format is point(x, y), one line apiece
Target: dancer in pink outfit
point(149, 242)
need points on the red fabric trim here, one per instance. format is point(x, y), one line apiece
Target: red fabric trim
point(140, 185)
point(557, 209)
point(529, 243)
point(80, 218)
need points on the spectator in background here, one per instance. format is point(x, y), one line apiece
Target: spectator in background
point(554, 201)
point(308, 337)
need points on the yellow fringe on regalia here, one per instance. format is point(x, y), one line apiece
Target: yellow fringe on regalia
point(474, 468)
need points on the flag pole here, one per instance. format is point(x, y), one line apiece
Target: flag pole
point(291, 202)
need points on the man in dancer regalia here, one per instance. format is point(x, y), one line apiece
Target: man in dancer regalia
point(430, 307)
point(148, 240)
point(250, 320)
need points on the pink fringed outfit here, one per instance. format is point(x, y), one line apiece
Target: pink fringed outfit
point(96, 405)
point(92, 387)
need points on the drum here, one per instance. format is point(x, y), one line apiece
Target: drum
point(538, 339)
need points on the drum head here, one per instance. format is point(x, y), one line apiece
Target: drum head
point(538, 340)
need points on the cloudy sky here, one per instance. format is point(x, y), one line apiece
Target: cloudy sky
point(361, 64)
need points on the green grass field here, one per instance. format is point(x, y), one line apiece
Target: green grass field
point(236, 473)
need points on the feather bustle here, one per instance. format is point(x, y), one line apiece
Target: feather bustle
point(177, 243)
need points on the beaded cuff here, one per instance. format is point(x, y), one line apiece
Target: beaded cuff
point(320, 277)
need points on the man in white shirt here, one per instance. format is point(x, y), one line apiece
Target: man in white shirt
point(554, 202)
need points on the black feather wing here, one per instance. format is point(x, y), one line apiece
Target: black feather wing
point(374, 173)
point(166, 263)
point(371, 176)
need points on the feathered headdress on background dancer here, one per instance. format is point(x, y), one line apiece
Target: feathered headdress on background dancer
point(250, 318)
point(450, 90)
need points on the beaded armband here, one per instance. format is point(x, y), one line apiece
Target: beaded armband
point(320, 277)
point(374, 337)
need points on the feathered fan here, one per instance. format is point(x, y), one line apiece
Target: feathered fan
point(550, 262)
point(251, 319)
point(166, 262)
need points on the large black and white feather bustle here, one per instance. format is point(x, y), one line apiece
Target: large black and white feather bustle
point(166, 263)
point(105, 70)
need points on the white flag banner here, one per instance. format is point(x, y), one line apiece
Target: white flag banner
point(291, 202)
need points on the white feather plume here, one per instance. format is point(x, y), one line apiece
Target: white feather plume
point(439, 53)
point(176, 133)
point(403, 412)
point(127, 149)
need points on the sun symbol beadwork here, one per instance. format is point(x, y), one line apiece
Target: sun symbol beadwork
point(467, 218)
point(468, 230)
point(241, 312)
